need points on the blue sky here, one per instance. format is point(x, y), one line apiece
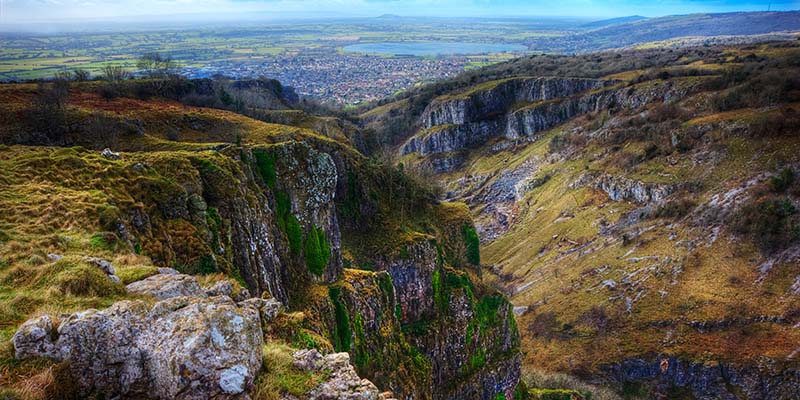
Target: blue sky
point(20, 11)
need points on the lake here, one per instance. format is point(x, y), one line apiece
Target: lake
point(432, 48)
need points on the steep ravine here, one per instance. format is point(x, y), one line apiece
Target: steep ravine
point(615, 214)
point(270, 216)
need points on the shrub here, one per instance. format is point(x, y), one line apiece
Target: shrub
point(770, 223)
point(559, 143)
point(665, 112)
point(80, 75)
point(784, 122)
point(544, 325)
point(782, 180)
point(279, 376)
point(48, 115)
point(677, 208)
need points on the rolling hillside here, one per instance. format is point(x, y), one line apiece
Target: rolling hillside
point(639, 208)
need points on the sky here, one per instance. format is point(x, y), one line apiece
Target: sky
point(25, 11)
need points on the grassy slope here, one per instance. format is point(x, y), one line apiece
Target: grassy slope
point(538, 263)
point(54, 200)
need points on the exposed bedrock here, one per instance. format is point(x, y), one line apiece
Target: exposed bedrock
point(476, 105)
point(469, 120)
point(180, 348)
point(707, 381)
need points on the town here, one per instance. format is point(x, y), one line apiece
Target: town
point(343, 78)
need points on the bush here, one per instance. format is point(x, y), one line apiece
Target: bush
point(279, 377)
point(81, 75)
point(544, 325)
point(114, 73)
point(771, 223)
point(48, 115)
point(564, 141)
point(782, 180)
point(677, 208)
point(665, 112)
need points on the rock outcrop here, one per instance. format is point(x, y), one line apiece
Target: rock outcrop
point(496, 97)
point(167, 286)
point(707, 380)
point(342, 383)
point(523, 107)
point(621, 188)
point(180, 348)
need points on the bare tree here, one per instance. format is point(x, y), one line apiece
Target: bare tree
point(62, 76)
point(114, 73)
point(156, 66)
point(161, 70)
point(80, 75)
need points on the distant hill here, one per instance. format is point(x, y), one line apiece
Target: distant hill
point(664, 28)
point(612, 21)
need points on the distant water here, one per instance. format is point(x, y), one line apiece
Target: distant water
point(431, 48)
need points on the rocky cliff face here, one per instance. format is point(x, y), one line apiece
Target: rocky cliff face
point(525, 107)
point(496, 97)
point(669, 375)
point(424, 330)
point(264, 215)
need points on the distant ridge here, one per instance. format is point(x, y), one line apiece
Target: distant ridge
point(612, 21)
point(650, 30)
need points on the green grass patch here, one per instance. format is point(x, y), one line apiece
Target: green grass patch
point(279, 377)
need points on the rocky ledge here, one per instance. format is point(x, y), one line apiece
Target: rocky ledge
point(193, 344)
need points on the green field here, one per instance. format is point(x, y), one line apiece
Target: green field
point(29, 56)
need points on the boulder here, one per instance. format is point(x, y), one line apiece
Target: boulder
point(34, 339)
point(167, 286)
point(268, 309)
point(220, 288)
point(342, 383)
point(104, 266)
point(107, 153)
point(210, 348)
point(181, 348)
